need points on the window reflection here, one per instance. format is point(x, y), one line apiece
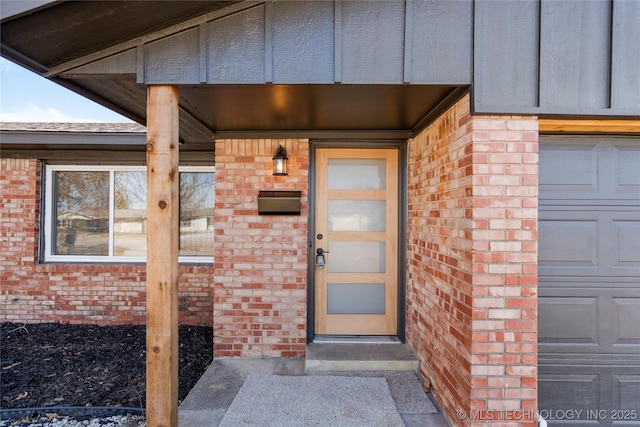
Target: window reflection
point(81, 213)
point(196, 213)
point(102, 213)
point(130, 223)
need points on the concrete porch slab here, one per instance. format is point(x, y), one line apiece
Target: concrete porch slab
point(209, 400)
point(359, 357)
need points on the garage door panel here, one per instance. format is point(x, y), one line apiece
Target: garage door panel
point(599, 319)
point(565, 389)
point(627, 171)
point(568, 168)
point(589, 241)
point(589, 170)
point(583, 395)
point(568, 321)
point(626, 393)
point(558, 246)
point(589, 278)
point(628, 321)
point(628, 233)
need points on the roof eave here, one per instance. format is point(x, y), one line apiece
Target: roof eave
point(12, 9)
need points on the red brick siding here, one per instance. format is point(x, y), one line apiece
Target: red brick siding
point(36, 292)
point(260, 306)
point(472, 262)
point(439, 287)
point(505, 257)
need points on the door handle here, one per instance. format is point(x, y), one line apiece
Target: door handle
point(320, 261)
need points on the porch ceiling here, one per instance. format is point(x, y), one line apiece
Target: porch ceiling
point(339, 111)
point(281, 108)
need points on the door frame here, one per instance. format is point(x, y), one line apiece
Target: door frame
point(401, 146)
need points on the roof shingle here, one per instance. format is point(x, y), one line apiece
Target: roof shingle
point(72, 127)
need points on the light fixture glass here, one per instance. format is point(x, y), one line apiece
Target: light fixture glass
point(280, 162)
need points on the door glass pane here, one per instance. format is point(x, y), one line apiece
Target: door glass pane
point(357, 174)
point(130, 221)
point(81, 212)
point(356, 215)
point(196, 213)
point(356, 257)
point(355, 298)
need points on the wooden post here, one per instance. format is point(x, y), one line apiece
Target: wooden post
point(162, 256)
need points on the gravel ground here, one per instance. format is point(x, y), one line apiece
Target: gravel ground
point(54, 420)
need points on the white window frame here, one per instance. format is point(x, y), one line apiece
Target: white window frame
point(49, 256)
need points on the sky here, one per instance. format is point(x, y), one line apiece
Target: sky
point(27, 97)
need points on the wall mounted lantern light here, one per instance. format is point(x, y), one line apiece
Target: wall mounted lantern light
point(280, 162)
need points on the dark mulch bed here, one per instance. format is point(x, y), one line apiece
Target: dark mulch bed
point(86, 365)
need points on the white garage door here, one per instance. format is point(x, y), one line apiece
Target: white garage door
point(589, 280)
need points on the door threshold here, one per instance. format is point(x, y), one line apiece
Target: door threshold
point(355, 339)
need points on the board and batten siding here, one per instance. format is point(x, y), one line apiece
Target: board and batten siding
point(543, 57)
point(386, 42)
point(301, 42)
point(557, 57)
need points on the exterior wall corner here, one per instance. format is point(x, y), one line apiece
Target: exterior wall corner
point(472, 263)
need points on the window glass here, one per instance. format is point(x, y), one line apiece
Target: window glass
point(196, 213)
point(357, 174)
point(130, 218)
point(100, 214)
point(357, 215)
point(81, 212)
point(356, 257)
point(355, 298)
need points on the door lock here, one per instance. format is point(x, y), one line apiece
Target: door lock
point(320, 261)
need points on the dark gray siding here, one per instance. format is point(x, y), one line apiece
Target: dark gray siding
point(625, 61)
point(236, 48)
point(427, 21)
point(302, 42)
point(508, 31)
point(372, 40)
point(557, 57)
point(543, 57)
point(173, 59)
point(575, 53)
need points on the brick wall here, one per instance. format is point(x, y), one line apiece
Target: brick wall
point(260, 305)
point(472, 264)
point(36, 292)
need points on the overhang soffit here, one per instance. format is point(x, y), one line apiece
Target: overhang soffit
point(62, 32)
point(125, 57)
point(305, 42)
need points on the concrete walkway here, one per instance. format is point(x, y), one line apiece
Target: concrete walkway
point(208, 401)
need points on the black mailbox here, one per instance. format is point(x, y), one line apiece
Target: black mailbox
point(279, 202)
